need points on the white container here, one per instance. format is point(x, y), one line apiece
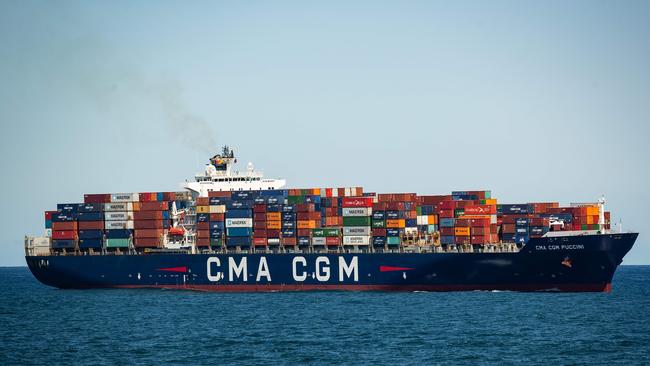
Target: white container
point(318, 241)
point(423, 220)
point(347, 192)
point(42, 242)
point(120, 206)
point(410, 230)
point(118, 215)
point(356, 240)
point(356, 230)
point(218, 209)
point(239, 222)
point(273, 241)
point(182, 196)
point(126, 224)
point(125, 197)
point(48, 233)
point(357, 211)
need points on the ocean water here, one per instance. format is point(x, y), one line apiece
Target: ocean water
point(44, 326)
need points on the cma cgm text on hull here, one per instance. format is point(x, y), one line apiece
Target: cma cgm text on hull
point(240, 231)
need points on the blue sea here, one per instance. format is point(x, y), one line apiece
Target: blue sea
point(45, 326)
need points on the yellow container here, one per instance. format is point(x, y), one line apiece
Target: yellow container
point(273, 216)
point(461, 231)
point(202, 209)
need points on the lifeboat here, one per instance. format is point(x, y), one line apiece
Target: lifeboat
point(176, 231)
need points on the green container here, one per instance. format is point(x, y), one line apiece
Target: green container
point(419, 210)
point(459, 212)
point(432, 229)
point(584, 227)
point(356, 221)
point(378, 223)
point(293, 200)
point(216, 242)
point(117, 243)
point(393, 240)
point(488, 195)
point(332, 231)
point(319, 233)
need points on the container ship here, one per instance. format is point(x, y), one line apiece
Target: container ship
point(238, 231)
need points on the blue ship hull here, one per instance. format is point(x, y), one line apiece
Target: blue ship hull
point(570, 263)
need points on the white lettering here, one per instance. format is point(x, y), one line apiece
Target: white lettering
point(216, 277)
point(240, 270)
point(348, 270)
point(325, 276)
point(263, 270)
point(303, 276)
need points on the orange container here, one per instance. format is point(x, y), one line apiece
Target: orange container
point(203, 201)
point(273, 216)
point(461, 231)
point(395, 223)
point(276, 225)
point(62, 226)
point(203, 209)
point(306, 224)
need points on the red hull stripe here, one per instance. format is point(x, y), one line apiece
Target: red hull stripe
point(593, 287)
point(173, 269)
point(394, 269)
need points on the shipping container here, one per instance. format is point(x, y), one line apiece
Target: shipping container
point(356, 240)
point(356, 230)
point(239, 222)
point(93, 243)
point(117, 243)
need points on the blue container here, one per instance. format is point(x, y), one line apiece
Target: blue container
point(447, 239)
point(392, 214)
point(202, 217)
point(447, 222)
point(538, 230)
point(521, 230)
point(378, 215)
point(522, 239)
point(288, 232)
point(392, 232)
point(214, 201)
point(48, 224)
point(289, 208)
point(91, 234)
point(90, 216)
point(274, 192)
point(411, 222)
point(180, 204)
point(273, 208)
point(289, 216)
point(240, 205)
point(216, 233)
point(244, 195)
point(91, 243)
point(303, 240)
point(63, 244)
point(312, 199)
point(64, 217)
point(564, 217)
point(259, 200)
point(239, 231)
point(379, 241)
point(160, 197)
point(514, 209)
point(239, 241)
point(464, 197)
point(91, 207)
point(276, 200)
point(239, 214)
point(118, 233)
point(508, 237)
point(426, 210)
point(217, 225)
point(288, 224)
point(522, 222)
point(68, 207)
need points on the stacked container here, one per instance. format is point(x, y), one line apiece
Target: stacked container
point(357, 216)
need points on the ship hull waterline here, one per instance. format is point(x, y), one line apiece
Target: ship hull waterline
point(567, 264)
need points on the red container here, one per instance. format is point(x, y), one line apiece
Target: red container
point(203, 242)
point(480, 230)
point(259, 242)
point(378, 232)
point(448, 205)
point(479, 239)
point(259, 216)
point(379, 206)
point(303, 232)
point(147, 242)
point(64, 234)
point(259, 225)
point(272, 233)
point(481, 210)
point(155, 206)
point(64, 226)
point(147, 215)
point(508, 228)
point(199, 233)
point(332, 240)
point(223, 194)
point(147, 197)
point(91, 225)
point(356, 202)
point(97, 198)
point(305, 207)
point(462, 240)
point(203, 201)
point(289, 241)
point(259, 233)
point(203, 225)
point(217, 217)
point(48, 214)
point(147, 224)
point(259, 209)
point(479, 221)
point(446, 214)
point(148, 233)
point(169, 196)
point(447, 231)
point(433, 200)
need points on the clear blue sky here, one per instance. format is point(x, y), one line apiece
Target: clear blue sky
point(536, 101)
